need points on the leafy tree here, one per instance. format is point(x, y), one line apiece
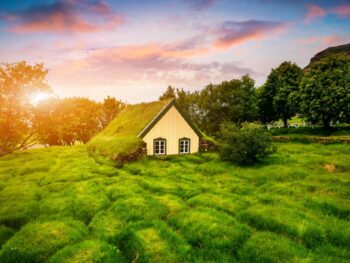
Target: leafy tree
point(111, 107)
point(189, 103)
point(18, 83)
point(266, 111)
point(168, 94)
point(244, 144)
point(278, 96)
point(232, 101)
point(325, 90)
point(67, 121)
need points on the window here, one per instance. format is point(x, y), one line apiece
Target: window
point(159, 146)
point(184, 146)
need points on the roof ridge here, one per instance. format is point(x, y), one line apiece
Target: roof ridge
point(161, 113)
point(164, 109)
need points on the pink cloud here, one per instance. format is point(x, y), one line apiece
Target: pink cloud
point(64, 16)
point(234, 33)
point(138, 69)
point(342, 11)
point(314, 11)
point(324, 41)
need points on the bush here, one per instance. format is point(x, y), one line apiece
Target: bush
point(245, 144)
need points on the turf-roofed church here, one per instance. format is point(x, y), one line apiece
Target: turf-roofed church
point(154, 128)
point(170, 132)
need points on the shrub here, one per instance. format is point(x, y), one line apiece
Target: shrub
point(245, 144)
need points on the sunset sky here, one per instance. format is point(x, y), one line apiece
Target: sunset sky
point(134, 49)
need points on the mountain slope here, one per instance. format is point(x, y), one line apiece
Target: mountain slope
point(335, 50)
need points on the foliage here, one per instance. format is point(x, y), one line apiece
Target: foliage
point(111, 107)
point(245, 144)
point(278, 97)
point(168, 94)
point(71, 120)
point(292, 206)
point(67, 121)
point(325, 90)
point(18, 82)
point(232, 101)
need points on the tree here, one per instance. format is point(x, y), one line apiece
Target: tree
point(111, 107)
point(18, 82)
point(66, 121)
point(279, 92)
point(325, 90)
point(266, 111)
point(231, 101)
point(168, 94)
point(244, 144)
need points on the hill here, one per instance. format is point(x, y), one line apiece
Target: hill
point(337, 49)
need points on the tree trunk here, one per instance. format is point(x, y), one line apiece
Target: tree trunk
point(326, 123)
point(285, 123)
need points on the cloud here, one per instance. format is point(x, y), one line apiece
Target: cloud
point(200, 5)
point(141, 70)
point(314, 12)
point(64, 16)
point(232, 33)
point(324, 41)
point(342, 11)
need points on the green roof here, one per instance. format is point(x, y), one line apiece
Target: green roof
point(124, 134)
point(121, 135)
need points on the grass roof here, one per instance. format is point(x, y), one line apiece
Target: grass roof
point(121, 135)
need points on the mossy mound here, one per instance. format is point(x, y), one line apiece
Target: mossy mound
point(152, 241)
point(92, 251)
point(35, 242)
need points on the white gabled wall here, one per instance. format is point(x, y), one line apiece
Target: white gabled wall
point(172, 126)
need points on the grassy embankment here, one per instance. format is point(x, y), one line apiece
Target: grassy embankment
point(61, 205)
point(310, 135)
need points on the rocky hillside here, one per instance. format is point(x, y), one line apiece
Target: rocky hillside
point(337, 49)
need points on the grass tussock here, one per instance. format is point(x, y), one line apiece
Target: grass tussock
point(62, 204)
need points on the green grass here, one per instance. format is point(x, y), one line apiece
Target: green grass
point(60, 204)
point(336, 132)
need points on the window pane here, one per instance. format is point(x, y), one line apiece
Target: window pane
point(159, 146)
point(184, 146)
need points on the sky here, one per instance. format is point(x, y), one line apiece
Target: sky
point(133, 50)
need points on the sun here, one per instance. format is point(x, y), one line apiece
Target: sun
point(36, 98)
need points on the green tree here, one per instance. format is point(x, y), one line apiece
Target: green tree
point(111, 107)
point(168, 94)
point(18, 83)
point(325, 90)
point(279, 93)
point(231, 101)
point(266, 111)
point(67, 121)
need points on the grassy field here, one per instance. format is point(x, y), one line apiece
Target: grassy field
point(61, 205)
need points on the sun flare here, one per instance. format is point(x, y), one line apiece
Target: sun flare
point(39, 97)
